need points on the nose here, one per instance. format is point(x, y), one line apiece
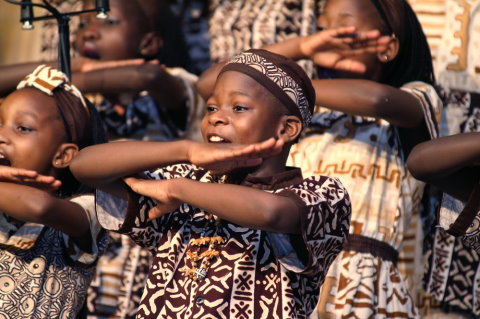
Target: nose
point(90, 31)
point(3, 135)
point(218, 118)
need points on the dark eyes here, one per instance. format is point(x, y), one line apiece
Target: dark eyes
point(23, 129)
point(236, 108)
point(239, 108)
point(211, 108)
point(108, 22)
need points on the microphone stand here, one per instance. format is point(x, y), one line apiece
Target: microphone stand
point(63, 20)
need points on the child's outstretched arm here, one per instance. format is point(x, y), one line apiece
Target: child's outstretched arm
point(450, 163)
point(245, 206)
point(102, 166)
point(31, 204)
point(329, 48)
point(370, 98)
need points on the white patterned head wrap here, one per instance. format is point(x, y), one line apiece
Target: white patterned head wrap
point(46, 79)
point(283, 77)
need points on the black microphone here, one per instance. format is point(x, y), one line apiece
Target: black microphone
point(26, 15)
point(102, 7)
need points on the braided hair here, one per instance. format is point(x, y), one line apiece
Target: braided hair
point(414, 60)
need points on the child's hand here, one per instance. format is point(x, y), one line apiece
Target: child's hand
point(223, 158)
point(334, 48)
point(29, 178)
point(158, 190)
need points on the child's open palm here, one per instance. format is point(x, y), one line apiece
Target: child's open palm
point(29, 178)
point(334, 48)
point(225, 157)
point(157, 190)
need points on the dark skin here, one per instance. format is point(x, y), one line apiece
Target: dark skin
point(351, 45)
point(112, 60)
point(450, 163)
point(233, 139)
point(34, 153)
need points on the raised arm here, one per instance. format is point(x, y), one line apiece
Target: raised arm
point(450, 163)
point(370, 98)
point(102, 166)
point(134, 78)
point(262, 210)
point(327, 48)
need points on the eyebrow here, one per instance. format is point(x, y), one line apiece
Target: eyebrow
point(28, 114)
point(239, 93)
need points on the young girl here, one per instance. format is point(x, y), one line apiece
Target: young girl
point(234, 232)
point(48, 231)
point(367, 125)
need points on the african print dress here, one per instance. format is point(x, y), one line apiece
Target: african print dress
point(453, 272)
point(43, 273)
point(239, 25)
point(366, 155)
point(256, 274)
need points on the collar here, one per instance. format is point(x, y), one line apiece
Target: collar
point(293, 175)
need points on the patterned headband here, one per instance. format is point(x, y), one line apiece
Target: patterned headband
point(47, 79)
point(284, 78)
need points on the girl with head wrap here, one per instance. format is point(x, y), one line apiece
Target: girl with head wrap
point(233, 231)
point(49, 236)
point(365, 125)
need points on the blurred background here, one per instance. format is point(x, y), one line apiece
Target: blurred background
point(17, 45)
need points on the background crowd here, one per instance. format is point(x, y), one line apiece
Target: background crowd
point(426, 73)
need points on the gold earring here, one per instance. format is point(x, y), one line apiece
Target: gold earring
point(386, 58)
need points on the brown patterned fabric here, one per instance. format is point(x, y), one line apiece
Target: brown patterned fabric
point(258, 274)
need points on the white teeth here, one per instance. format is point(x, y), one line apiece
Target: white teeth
point(215, 139)
point(2, 156)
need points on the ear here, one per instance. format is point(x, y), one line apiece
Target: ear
point(64, 155)
point(290, 128)
point(151, 44)
point(391, 52)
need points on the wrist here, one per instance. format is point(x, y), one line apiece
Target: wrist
point(304, 49)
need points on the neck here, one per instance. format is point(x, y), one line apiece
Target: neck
point(272, 165)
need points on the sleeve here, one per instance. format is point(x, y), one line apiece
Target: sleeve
point(131, 217)
point(325, 209)
point(431, 104)
point(195, 103)
point(98, 235)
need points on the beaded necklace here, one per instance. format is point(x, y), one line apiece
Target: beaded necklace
point(201, 261)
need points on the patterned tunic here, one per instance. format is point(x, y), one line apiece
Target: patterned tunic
point(366, 155)
point(239, 25)
point(43, 274)
point(453, 270)
point(257, 274)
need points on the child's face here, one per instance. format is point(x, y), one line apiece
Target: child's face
point(240, 111)
point(361, 14)
point(115, 38)
point(30, 130)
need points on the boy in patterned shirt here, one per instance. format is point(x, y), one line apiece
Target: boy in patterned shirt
point(234, 232)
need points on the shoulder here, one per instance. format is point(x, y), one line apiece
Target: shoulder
point(319, 190)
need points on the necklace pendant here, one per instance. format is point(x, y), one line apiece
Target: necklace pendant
point(201, 273)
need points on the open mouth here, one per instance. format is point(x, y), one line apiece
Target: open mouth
point(4, 161)
point(92, 54)
point(217, 139)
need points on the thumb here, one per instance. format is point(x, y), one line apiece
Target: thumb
point(155, 212)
